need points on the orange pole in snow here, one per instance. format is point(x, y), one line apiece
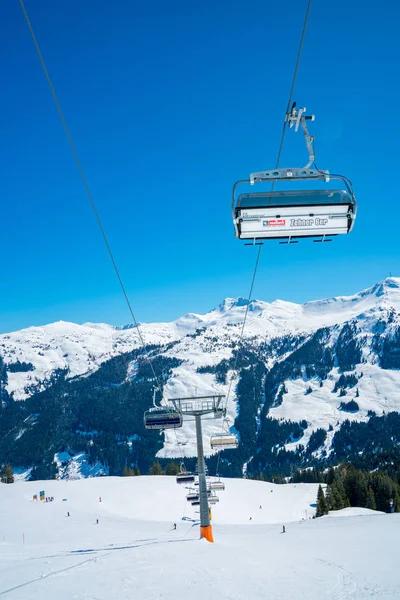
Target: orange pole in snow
point(206, 532)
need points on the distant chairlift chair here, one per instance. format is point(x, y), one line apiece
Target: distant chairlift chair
point(224, 440)
point(162, 417)
point(185, 476)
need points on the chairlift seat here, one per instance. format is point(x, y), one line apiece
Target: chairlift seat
point(217, 485)
point(162, 418)
point(192, 497)
point(224, 441)
point(185, 477)
point(294, 213)
point(213, 500)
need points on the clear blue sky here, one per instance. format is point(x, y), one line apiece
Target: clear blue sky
point(168, 104)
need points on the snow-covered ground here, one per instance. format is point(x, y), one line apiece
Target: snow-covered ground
point(134, 553)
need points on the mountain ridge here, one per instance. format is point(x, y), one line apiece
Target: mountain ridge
point(303, 372)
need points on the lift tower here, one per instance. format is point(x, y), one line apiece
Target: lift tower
point(198, 407)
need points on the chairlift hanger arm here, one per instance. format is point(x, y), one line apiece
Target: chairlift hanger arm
point(296, 118)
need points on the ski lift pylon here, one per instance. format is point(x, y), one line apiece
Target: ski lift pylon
point(291, 214)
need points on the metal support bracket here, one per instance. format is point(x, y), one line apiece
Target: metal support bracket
point(296, 118)
point(277, 174)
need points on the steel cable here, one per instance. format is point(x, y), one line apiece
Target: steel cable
point(86, 186)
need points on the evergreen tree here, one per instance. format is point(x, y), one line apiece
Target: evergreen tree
point(341, 497)
point(330, 476)
point(322, 505)
point(172, 468)
point(371, 500)
point(136, 471)
point(331, 498)
point(156, 469)
point(7, 475)
point(128, 471)
point(355, 487)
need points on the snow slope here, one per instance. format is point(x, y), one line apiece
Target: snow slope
point(134, 553)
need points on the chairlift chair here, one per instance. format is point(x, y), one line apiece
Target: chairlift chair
point(184, 476)
point(292, 214)
point(162, 417)
point(192, 497)
point(217, 485)
point(225, 440)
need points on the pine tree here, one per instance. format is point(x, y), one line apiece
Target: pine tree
point(172, 468)
point(342, 500)
point(128, 471)
point(136, 471)
point(322, 505)
point(7, 475)
point(156, 469)
point(371, 500)
point(331, 476)
point(331, 497)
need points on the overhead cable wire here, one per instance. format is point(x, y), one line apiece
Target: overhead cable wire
point(86, 185)
point(296, 70)
point(292, 88)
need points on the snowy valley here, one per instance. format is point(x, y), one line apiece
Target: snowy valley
point(125, 546)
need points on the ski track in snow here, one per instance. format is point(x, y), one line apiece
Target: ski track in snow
point(134, 553)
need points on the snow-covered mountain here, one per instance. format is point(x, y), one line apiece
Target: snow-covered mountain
point(359, 336)
point(82, 348)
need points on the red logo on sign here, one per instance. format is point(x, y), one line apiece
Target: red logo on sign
point(275, 222)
